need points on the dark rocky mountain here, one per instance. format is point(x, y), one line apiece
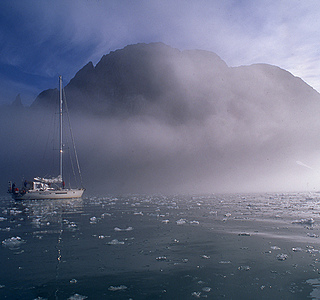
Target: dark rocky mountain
point(179, 86)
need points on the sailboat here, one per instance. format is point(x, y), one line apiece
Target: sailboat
point(49, 188)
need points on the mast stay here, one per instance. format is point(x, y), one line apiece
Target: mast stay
point(60, 116)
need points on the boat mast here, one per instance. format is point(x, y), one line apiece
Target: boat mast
point(60, 117)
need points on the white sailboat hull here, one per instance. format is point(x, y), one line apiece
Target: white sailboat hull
point(49, 194)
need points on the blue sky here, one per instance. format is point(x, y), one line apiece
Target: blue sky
point(42, 39)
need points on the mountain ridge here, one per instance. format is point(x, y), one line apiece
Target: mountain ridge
point(151, 79)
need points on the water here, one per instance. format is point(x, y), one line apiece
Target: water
point(155, 247)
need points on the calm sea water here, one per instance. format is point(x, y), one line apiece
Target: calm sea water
point(155, 247)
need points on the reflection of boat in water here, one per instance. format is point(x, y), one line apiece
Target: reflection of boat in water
point(49, 188)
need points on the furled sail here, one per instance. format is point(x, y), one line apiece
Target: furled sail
point(49, 180)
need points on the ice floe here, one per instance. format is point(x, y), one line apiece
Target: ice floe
point(275, 248)
point(224, 262)
point(13, 242)
point(304, 221)
point(125, 229)
point(93, 220)
point(244, 268)
point(282, 256)
point(181, 221)
point(116, 242)
point(161, 258)
point(244, 234)
point(117, 288)
point(77, 297)
point(73, 281)
point(297, 249)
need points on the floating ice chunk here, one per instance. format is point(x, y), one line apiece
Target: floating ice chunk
point(126, 229)
point(161, 258)
point(101, 237)
point(12, 242)
point(73, 281)
point(105, 214)
point(138, 213)
point(117, 288)
point(312, 251)
point(195, 222)
point(282, 256)
point(312, 235)
point(93, 220)
point(275, 248)
point(77, 297)
point(205, 256)
point(244, 268)
point(165, 221)
point(196, 294)
point(115, 242)
point(15, 212)
point(296, 249)
point(5, 229)
point(181, 221)
point(206, 289)
point(304, 221)
point(227, 215)
point(224, 262)
point(3, 219)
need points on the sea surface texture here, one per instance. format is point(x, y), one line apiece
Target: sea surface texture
point(253, 246)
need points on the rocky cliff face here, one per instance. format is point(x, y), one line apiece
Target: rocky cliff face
point(179, 86)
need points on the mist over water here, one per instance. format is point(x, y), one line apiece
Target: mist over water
point(153, 119)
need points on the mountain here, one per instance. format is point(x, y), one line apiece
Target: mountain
point(178, 86)
point(144, 79)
